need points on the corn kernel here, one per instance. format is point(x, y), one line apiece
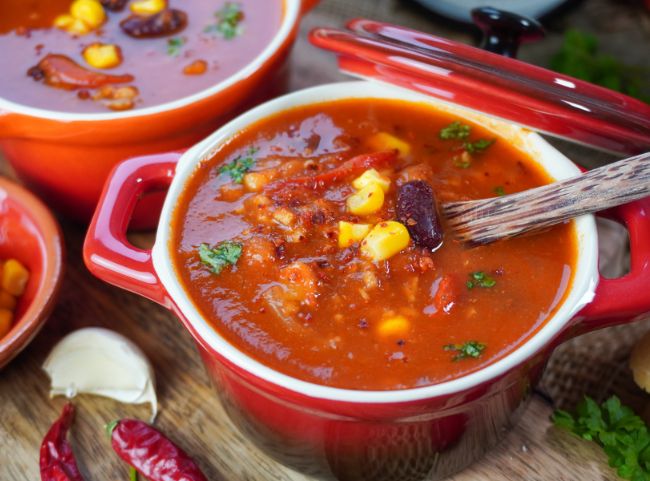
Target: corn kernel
point(148, 7)
point(14, 277)
point(78, 27)
point(393, 327)
point(7, 301)
point(350, 233)
point(367, 200)
point(385, 240)
point(63, 21)
point(385, 141)
point(6, 316)
point(89, 12)
point(102, 55)
point(371, 176)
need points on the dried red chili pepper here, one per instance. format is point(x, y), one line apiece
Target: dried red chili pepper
point(151, 453)
point(57, 461)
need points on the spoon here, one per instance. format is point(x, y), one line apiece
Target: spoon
point(479, 222)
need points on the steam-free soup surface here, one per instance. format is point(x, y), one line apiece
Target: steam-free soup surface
point(163, 68)
point(259, 247)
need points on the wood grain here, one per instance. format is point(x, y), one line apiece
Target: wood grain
point(190, 413)
point(479, 222)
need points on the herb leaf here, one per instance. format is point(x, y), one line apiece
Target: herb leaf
point(238, 167)
point(499, 190)
point(455, 130)
point(478, 146)
point(218, 257)
point(579, 57)
point(228, 21)
point(459, 131)
point(622, 434)
point(469, 349)
point(174, 46)
point(480, 279)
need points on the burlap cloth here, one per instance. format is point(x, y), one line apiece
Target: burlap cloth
point(596, 363)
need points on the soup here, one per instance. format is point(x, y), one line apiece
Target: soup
point(87, 56)
point(296, 242)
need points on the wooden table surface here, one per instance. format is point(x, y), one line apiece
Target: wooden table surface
point(189, 411)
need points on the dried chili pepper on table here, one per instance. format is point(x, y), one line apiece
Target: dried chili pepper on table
point(151, 453)
point(57, 462)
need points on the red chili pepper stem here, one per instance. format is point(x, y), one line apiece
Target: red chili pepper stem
point(110, 427)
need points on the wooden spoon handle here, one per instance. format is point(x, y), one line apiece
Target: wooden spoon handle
point(487, 220)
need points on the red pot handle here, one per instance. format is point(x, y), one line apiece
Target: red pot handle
point(621, 300)
point(107, 252)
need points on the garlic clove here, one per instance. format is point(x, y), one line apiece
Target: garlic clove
point(98, 361)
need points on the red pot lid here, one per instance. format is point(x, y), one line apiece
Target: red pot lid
point(510, 89)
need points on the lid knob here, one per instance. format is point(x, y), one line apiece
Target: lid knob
point(503, 31)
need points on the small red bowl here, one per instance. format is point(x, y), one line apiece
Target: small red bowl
point(30, 234)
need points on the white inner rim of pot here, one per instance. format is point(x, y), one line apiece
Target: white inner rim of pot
point(585, 276)
point(290, 18)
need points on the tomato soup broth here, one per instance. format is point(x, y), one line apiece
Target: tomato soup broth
point(275, 255)
point(201, 44)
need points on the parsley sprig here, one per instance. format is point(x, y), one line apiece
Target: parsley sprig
point(622, 434)
point(225, 254)
point(238, 167)
point(455, 131)
point(229, 18)
point(479, 146)
point(459, 131)
point(174, 46)
point(480, 279)
point(467, 350)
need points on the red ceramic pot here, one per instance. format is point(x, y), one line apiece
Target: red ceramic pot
point(411, 434)
point(65, 157)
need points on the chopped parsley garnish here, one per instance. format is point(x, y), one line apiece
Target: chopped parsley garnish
point(238, 167)
point(220, 256)
point(458, 131)
point(499, 190)
point(478, 146)
point(480, 279)
point(455, 131)
point(174, 46)
point(228, 21)
point(622, 434)
point(466, 350)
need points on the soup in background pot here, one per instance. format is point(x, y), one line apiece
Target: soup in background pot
point(92, 56)
point(309, 242)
